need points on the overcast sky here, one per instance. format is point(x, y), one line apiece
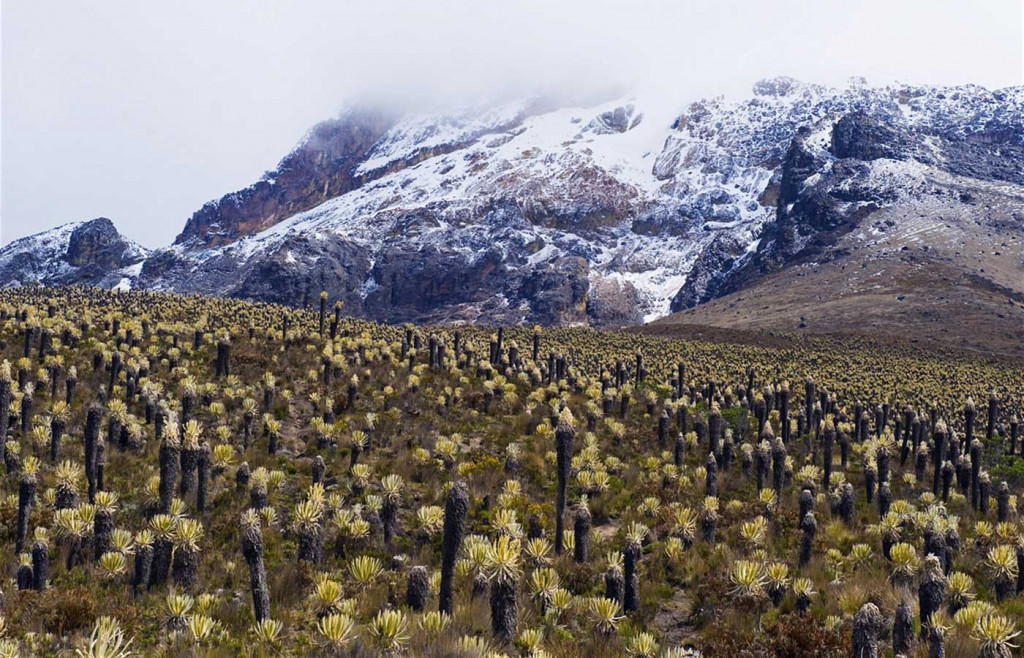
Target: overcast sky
point(143, 111)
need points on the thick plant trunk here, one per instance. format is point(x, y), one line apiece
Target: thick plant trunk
point(564, 436)
point(455, 512)
point(417, 588)
point(40, 565)
point(252, 551)
point(143, 566)
point(162, 548)
point(504, 610)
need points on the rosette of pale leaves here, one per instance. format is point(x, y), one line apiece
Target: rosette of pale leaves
point(107, 640)
point(388, 631)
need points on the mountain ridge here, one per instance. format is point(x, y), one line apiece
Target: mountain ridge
point(605, 215)
point(90, 252)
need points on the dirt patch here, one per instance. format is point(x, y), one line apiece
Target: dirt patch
point(673, 620)
point(606, 531)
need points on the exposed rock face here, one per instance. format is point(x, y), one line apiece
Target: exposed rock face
point(335, 265)
point(617, 302)
point(91, 253)
point(869, 162)
point(609, 215)
point(619, 120)
point(98, 247)
point(995, 154)
point(412, 283)
point(320, 168)
point(816, 204)
point(558, 292)
point(864, 137)
point(329, 162)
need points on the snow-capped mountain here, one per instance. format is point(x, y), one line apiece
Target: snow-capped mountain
point(610, 214)
point(85, 252)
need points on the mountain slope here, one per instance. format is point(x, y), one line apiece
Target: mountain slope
point(886, 230)
point(606, 215)
point(531, 223)
point(86, 252)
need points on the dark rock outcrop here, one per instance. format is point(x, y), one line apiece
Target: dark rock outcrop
point(320, 168)
point(821, 196)
point(91, 253)
point(996, 155)
point(303, 267)
point(558, 292)
point(613, 303)
point(414, 283)
point(97, 247)
point(710, 272)
point(864, 137)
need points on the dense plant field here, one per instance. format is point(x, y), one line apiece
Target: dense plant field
point(187, 476)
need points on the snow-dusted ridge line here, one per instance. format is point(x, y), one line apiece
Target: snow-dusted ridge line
point(44, 257)
point(635, 195)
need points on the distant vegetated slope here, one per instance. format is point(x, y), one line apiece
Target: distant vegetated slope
point(802, 207)
point(201, 476)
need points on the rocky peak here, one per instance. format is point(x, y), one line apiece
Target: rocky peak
point(338, 156)
point(865, 137)
point(856, 153)
point(618, 120)
point(777, 86)
point(97, 244)
point(321, 167)
point(89, 252)
point(801, 162)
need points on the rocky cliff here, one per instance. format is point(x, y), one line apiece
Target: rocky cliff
point(89, 253)
point(838, 176)
point(609, 214)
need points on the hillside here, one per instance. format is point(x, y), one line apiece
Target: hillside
point(86, 252)
point(606, 214)
point(196, 476)
point(944, 266)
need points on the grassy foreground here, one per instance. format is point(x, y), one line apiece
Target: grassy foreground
point(187, 476)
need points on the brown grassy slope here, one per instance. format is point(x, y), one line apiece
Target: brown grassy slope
point(931, 305)
point(932, 271)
